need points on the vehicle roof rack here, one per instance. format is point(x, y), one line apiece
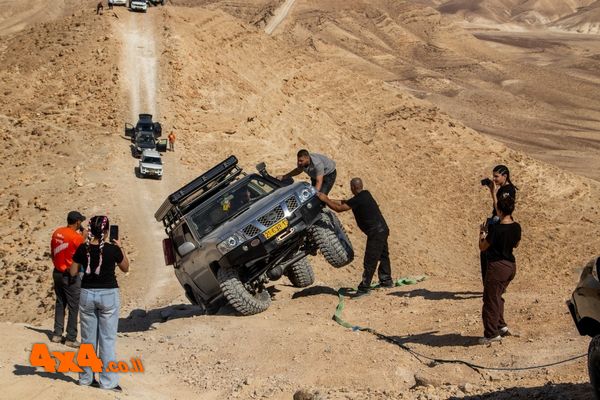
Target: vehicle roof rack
point(178, 203)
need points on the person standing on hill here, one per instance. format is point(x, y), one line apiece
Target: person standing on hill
point(498, 244)
point(500, 187)
point(99, 8)
point(370, 220)
point(320, 168)
point(63, 244)
point(171, 138)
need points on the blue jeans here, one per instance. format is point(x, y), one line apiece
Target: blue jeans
point(99, 316)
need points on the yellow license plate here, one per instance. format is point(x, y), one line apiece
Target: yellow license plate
point(275, 229)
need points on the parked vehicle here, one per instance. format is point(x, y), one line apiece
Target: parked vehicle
point(144, 135)
point(584, 306)
point(138, 5)
point(150, 164)
point(231, 233)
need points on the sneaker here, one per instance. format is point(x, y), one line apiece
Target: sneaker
point(56, 339)
point(116, 389)
point(72, 343)
point(361, 293)
point(95, 384)
point(505, 332)
point(485, 340)
point(387, 285)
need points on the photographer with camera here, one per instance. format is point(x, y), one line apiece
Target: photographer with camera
point(498, 243)
point(99, 303)
point(500, 187)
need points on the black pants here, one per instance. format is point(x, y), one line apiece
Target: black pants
point(483, 261)
point(67, 295)
point(497, 277)
point(328, 181)
point(376, 252)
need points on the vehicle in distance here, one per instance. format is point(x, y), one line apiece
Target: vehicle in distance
point(150, 164)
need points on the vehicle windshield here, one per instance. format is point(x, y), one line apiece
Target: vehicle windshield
point(145, 127)
point(152, 160)
point(145, 139)
point(228, 204)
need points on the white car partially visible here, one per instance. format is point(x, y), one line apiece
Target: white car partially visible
point(139, 5)
point(119, 2)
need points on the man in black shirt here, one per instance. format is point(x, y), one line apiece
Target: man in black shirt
point(370, 220)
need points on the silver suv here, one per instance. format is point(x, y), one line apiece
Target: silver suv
point(230, 233)
point(150, 164)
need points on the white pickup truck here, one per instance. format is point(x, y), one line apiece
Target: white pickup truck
point(151, 164)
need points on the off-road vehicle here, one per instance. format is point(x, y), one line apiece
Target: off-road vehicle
point(231, 233)
point(584, 306)
point(150, 164)
point(138, 5)
point(144, 135)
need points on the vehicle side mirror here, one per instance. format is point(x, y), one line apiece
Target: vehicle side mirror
point(261, 168)
point(186, 248)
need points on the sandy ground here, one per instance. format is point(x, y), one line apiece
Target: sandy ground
point(211, 74)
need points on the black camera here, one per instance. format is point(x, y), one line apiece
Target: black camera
point(486, 182)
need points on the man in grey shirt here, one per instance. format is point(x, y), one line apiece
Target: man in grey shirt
point(320, 168)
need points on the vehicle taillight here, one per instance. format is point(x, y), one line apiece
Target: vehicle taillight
point(168, 252)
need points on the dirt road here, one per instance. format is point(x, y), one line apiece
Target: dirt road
point(279, 16)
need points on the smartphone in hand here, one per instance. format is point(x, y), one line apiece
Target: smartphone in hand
point(113, 233)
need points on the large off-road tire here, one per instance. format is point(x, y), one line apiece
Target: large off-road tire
point(332, 240)
point(594, 365)
point(301, 273)
point(238, 296)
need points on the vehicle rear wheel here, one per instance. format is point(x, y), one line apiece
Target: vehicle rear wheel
point(332, 240)
point(594, 365)
point(301, 273)
point(242, 300)
point(196, 299)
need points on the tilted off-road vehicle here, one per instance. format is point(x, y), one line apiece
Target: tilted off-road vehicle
point(144, 135)
point(231, 233)
point(584, 306)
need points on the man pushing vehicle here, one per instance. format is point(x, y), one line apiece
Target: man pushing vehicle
point(370, 220)
point(320, 168)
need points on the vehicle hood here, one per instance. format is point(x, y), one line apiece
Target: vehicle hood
point(150, 166)
point(256, 210)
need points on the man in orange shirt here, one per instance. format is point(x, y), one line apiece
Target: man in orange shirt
point(63, 244)
point(171, 141)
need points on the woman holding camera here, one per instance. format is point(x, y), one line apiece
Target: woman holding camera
point(500, 186)
point(99, 302)
point(498, 244)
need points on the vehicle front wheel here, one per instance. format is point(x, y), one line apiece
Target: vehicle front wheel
point(594, 365)
point(332, 240)
point(240, 298)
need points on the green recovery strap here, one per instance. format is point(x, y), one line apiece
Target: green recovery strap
point(337, 317)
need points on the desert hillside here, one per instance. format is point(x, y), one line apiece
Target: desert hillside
point(398, 93)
